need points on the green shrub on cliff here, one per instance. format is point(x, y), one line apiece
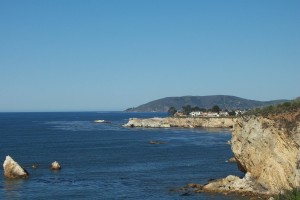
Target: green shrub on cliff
point(289, 195)
point(280, 108)
point(172, 111)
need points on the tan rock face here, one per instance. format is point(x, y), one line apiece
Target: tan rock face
point(13, 170)
point(268, 151)
point(189, 122)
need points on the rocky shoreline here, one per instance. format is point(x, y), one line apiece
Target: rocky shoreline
point(267, 151)
point(265, 148)
point(186, 122)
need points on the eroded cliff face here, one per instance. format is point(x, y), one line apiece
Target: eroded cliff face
point(189, 122)
point(267, 150)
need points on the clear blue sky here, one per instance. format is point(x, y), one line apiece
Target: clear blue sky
point(71, 55)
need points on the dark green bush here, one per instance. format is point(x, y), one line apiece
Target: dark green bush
point(275, 109)
point(289, 195)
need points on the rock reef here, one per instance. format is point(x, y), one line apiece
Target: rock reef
point(12, 170)
point(189, 122)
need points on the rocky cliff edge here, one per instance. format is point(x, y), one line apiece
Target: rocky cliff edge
point(267, 151)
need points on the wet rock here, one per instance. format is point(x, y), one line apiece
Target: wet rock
point(13, 170)
point(194, 185)
point(55, 166)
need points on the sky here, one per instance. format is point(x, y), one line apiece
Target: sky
point(109, 55)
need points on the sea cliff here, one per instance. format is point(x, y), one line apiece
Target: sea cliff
point(189, 122)
point(267, 151)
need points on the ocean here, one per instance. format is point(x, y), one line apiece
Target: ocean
point(108, 161)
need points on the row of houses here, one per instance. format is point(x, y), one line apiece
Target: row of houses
point(208, 114)
point(214, 114)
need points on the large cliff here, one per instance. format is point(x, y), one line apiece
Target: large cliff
point(267, 150)
point(189, 122)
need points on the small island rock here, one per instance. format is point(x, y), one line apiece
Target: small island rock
point(55, 166)
point(13, 170)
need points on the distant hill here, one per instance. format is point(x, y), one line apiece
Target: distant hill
point(223, 101)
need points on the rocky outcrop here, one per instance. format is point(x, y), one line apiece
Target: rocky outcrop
point(231, 160)
point(231, 184)
point(13, 170)
point(189, 122)
point(267, 150)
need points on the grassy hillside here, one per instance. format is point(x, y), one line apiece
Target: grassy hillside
point(223, 101)
point(285, 107)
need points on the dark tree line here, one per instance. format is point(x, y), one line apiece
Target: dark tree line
point(188, 109)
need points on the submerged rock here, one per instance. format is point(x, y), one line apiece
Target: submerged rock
point(156, 142)
point(13, 170)
point(55, 166)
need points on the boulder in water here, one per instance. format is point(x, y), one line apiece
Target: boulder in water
point(13, 170)
point(55, 166)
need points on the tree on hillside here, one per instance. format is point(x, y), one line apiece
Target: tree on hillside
point(172, 111)
point(186, 109)
point(196, 108)
point(216, 109)
point(231, 113)
point(203, 109)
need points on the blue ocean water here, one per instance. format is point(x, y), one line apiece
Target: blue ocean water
point(107, 161)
